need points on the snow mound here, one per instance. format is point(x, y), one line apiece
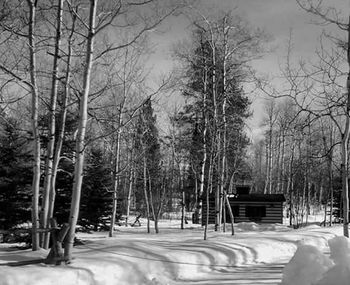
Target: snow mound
point(306, 266)
point(309, 266)
point(339, 274)
point(251, 226)
point(244, 226)
point(340, 249)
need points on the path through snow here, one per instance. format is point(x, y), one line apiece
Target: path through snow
point(255, 255)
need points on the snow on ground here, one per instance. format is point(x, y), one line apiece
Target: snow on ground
point(256, 254)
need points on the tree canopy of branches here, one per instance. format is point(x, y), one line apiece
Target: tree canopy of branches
point(319, 93)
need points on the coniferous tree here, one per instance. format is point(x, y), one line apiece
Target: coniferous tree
point(148, 172)
point(215, 68)
point(15, 174)
point(96, 200)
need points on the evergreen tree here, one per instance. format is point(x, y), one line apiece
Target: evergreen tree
point(15, 174)
point(191, 119)
point(149, 195)
point(215, 69)
point(96, 200)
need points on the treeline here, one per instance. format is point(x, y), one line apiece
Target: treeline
point(298, 155)
point(303, 150)
point(107, 190)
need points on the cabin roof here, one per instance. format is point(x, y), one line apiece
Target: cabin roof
point(259, 198)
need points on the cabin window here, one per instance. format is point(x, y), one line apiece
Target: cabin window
point(255, 213)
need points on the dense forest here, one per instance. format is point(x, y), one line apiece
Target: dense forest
point(80, 139)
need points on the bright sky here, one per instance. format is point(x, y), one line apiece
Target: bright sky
point(276, 17)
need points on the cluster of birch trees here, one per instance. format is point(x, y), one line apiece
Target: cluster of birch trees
point(83, 59)
point(304, 152)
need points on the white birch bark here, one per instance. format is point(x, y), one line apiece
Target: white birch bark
point(116, 181)
point(344, 148)
point(80, 141)
point(61, 131)
point(52, 127)
point(35, 125)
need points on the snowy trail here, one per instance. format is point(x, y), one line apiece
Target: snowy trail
point(269, 274)
point(257, 274)
point(211, 274)
point(255, 255)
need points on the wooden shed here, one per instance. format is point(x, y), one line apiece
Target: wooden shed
point(259, 208)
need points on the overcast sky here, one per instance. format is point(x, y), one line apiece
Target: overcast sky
point(276, 17)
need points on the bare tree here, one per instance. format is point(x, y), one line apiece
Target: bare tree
point(80, 141)
point(330, 15)
point(272, 115)
point(97, 25)
point(52, 125)
point(35, 125)
point(62, 124)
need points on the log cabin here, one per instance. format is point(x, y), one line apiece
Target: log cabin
point(258, 208)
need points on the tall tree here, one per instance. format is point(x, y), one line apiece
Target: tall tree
point(52, 124)
point(35, 125)
point(148, 142)
point(217, 65)
point(96, 201)
point(80, 141)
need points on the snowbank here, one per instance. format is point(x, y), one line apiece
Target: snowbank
point(310, 266)
point(251, 226)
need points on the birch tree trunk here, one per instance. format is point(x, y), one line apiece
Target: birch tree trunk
point(61, 131)
point(208, 190)
point(282, 172)
point(330, 173)
point(270, 108)
point(131, 182)
point(329, 158)
point(344, 149)
point(35, 125)
point(145, 190)
point(224, 142)
point(215, 131)
point(115, 181)
point(80, 141)
point(160, 206)
point(52, 128)
point(290, 186)
point(183, 204)
point(345, 152)
point(205, 129)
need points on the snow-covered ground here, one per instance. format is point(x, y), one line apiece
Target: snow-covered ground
point(254, 255)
